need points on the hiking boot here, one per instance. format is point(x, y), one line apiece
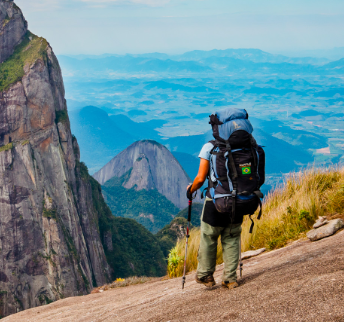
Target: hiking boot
point(208, 281)
point(230, 285)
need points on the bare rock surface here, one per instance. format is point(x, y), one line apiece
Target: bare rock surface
point(327, 230)
point(320, 222)
point(151, 166)
point(13, 27)
point(50, 245)
point(252, 253)
point(302, 282)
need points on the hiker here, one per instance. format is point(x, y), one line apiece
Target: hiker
point(234, 165)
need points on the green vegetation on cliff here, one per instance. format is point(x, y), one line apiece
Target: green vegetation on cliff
point(130, 249)
point(169, 235)
point(6, 147)
point(147, 207)
point(27, 52)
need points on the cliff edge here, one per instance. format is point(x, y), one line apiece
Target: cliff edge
point(50, 244)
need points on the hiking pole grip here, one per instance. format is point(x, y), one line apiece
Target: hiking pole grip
point(189, 196)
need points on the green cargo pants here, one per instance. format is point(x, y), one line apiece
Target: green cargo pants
point(208, 249)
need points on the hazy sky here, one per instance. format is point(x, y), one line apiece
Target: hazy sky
point(176, 26)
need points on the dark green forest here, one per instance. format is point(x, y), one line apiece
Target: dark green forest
point(132, 250)
point(147, 207)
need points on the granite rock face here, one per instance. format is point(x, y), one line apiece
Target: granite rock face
point(50, 245)
point(325, 231)
point(151, 166)
point(13, 27)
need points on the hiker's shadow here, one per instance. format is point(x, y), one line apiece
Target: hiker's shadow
point(242, 281)
point(213, 288)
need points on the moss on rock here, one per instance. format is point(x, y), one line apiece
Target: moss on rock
point(27, 52)
point(6, 147)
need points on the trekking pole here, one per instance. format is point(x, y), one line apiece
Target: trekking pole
point(187, 234)
point(240, 260)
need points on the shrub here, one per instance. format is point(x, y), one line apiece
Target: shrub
point(173, 262)
point(61, 116)
point(288, 213)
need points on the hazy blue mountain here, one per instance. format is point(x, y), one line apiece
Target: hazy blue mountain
point(302, 139)
point(336, 66)
point(189, 163)
point(329, 54)
point(254, 55)
point(188, 144)
point(154, 124)
point(306, 113)
point(129, 63)
point(99, 138)
point(281, 157)
point(141, 131)
point(241, 60)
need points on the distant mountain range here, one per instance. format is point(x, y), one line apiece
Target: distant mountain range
point(198, 61)
point(254, 55)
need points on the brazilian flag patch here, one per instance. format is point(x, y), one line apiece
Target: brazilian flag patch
point(246, 170)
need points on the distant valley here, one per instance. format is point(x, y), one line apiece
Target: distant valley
point(295, 104)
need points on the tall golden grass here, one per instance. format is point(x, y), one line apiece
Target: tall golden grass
point(288, 213)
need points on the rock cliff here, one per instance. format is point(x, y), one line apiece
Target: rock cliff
point(50, 245)
point(13, 27)
point(151, 166)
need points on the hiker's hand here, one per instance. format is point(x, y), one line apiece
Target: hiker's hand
point(188, 192)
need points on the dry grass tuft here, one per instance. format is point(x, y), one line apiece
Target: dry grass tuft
point(288, 213)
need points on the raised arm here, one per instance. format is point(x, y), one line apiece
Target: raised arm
point(201, 176)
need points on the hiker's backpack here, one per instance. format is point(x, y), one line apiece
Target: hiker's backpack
point(237, 165)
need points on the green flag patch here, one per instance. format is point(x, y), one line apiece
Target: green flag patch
point(246, 170)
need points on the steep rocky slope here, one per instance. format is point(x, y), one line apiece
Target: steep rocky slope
point(12, 28)
point(301, 282)
point(150, 166)
point(50, 246)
